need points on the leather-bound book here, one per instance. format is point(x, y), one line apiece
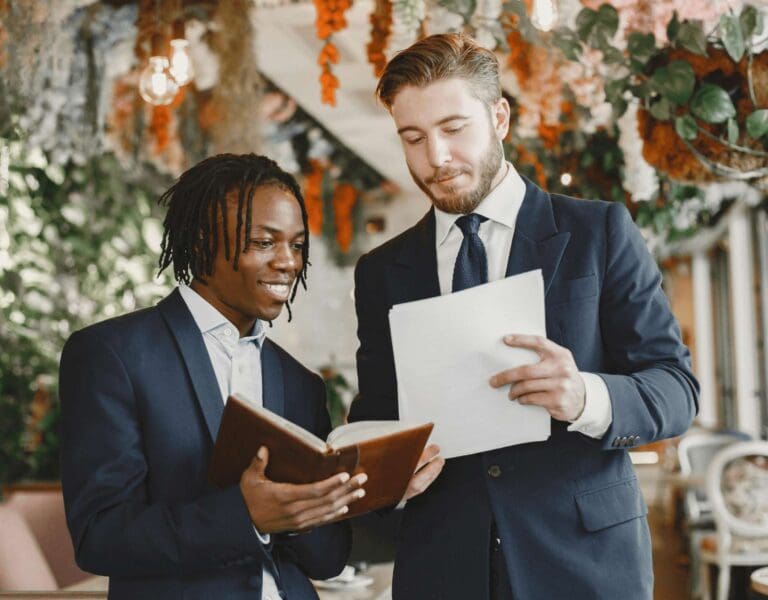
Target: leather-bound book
point(387, 451)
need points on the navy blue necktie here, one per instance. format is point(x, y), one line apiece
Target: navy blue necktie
point(471, 266)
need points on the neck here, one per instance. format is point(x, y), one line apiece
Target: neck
point(243, 324)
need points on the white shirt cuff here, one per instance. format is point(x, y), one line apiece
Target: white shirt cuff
point(263, 537)
point(597, 415)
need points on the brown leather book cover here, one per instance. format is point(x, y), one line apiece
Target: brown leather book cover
point(297, 456)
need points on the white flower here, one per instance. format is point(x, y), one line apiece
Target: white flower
point(640, 178)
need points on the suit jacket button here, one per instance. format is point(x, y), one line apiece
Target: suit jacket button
point(494, 471)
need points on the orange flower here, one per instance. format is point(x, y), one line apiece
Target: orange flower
point(313, 196)
point(329, 19)
point(381, 28)
point(344, 199)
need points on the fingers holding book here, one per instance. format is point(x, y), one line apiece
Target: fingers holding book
point(429, 467)
point(276, 507)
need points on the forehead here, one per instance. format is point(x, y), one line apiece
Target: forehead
point(415, 106)
point(272, 206)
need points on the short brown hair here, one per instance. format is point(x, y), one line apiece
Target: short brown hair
point(439, 57)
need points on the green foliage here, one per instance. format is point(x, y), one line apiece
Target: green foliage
point(686, 127)
point(78, 243)
point(712, 104)
point(757, 123)
point(732, 35)
point(335, 386)
point(675, 81)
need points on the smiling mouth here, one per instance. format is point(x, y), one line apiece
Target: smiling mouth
point(448, 178)
point(280, 291)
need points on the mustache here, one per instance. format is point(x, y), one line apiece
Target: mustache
point(441, 174)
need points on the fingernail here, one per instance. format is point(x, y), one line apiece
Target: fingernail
point(509, 338)
point(360, 493)
point(493, 381)
point(344, 510)
point(344, 477)
point(362, 478)
point(260, 453)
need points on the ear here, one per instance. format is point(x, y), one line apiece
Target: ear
point(500, 114)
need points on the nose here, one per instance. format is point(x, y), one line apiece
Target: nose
point(286, 258)
point(439, 153)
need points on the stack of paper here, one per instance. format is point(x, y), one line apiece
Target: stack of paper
point(446, 350)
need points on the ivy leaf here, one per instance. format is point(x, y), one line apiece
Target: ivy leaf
point(691, 36)
point(612, 56)
point(596, 27)
point(748, 20)
point(568, 42)
point(757, 123)
point(661, 110)
point(686, 127)
point(641, 46)
point(465, 8)
point(733, 131)
point(712, 104)
point(731, 35)
point(615, 89)
point(619, 107)
point(675, 81)
point(673, 28)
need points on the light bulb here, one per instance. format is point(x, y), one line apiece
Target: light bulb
point(181, 65)
point(156, 84)
point(544, 14)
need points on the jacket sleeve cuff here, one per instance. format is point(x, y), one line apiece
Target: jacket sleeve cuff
point(597, 415)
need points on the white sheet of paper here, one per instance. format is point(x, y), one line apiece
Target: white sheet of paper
point(446, 350)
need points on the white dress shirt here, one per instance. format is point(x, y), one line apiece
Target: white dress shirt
point(236, 362)
point(501, 207)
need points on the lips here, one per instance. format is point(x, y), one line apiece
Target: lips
point(279, 290)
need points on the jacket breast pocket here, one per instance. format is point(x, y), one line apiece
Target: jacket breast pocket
point(570, 290)
point(611, 505)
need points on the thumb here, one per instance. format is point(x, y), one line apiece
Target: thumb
point(260, 461)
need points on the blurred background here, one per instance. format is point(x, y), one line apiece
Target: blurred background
point(659, 104)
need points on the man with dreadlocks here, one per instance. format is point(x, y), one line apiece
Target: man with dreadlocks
point(142, 397)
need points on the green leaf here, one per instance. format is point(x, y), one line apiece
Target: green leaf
point(585, 22)
point(748, 20)
point(465, 8)
point(612, 56)
point(733, 131)
point(568, 42)
point(596, 28)
point(712, 104)
point(641, 46)
point(675, 82)
point(608, 18)
point(686, 127)
point(673, 28)
point(615, 89)
point(661, 110)
point(619, 107)
point(757, 123)
point(692, 37)
point(733, 40)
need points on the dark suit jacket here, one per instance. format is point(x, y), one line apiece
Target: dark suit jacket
point(141, 409)
point(569, 511)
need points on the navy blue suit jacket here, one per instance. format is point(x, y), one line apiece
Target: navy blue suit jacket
point(141, 409)
point(569, 511)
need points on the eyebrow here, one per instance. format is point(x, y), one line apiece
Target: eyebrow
point(273, 230)
point(442, 121)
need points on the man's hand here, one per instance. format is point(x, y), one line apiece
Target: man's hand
point(276, 507)
point(553, 383)
point(429, 467)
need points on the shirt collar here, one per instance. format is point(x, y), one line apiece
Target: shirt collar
point(501, 205)
point(207, 318)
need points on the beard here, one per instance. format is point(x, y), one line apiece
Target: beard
point(463, 204)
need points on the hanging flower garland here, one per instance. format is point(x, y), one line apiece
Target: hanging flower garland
point(381, 29)
point(329, 20)
point(344, 199)
point(313, 196)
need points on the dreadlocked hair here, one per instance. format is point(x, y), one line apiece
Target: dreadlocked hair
point(197, 199)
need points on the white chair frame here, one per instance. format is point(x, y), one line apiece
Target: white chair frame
point(727, 524)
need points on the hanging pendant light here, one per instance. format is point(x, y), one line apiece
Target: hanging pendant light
point(156, 84)
point(181, 62)
point(544, 15)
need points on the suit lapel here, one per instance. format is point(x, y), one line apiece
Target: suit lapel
point(272, 389)
point(536, 243)
point(191, 346)
point(415, 273)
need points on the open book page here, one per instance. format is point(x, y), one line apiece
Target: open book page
point(446, 350)
point(301, 433)
point(353, 433)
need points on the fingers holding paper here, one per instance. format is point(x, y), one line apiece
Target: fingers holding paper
point(276, 507)
point(427, 469)
point(553, 383)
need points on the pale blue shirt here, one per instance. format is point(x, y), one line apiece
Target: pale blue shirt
point(501, 206)
point(236, 361)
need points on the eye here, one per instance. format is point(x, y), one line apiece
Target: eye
point(298, 246)
point(262, 244)
point(413, 141)
point(454, 130)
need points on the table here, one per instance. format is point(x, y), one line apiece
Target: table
point(759, 580)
